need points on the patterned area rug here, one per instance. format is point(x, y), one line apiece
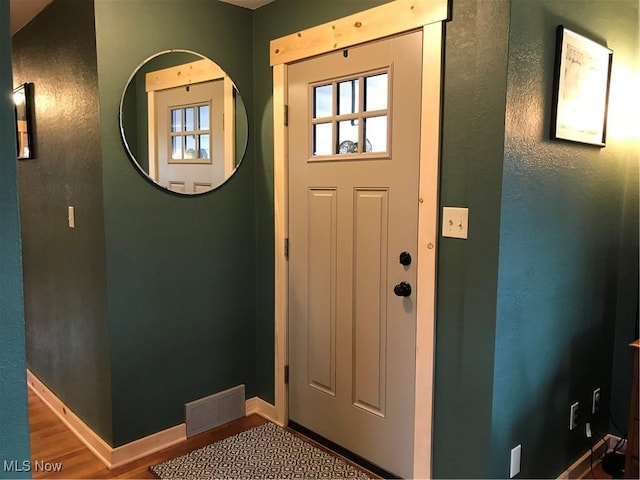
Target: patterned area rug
point(266, 451)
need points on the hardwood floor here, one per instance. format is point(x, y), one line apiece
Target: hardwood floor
point(53, 443)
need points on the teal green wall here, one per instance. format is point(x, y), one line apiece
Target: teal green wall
point(64, 268)
point(14, 422)
point(181, 270)
point(568, 262)
point(475, 76)
point(545, 284)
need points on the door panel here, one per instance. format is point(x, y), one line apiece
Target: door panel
point(354, 148)
point(370, 299)
point(322, 289)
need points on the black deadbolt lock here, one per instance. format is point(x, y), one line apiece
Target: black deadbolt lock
point(405, 258)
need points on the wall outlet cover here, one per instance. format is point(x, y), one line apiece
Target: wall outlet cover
point(516, 453)
point(573, 416)
point(595, 401)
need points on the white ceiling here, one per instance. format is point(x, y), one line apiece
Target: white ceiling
point(22, 11)
point(252, 4)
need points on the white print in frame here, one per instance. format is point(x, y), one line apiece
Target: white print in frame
point(581, 89)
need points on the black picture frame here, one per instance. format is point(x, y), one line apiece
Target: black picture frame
point(23, 101)
point(582, 80)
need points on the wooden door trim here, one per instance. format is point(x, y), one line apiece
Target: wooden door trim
point(378, 22)
point(427, 234)
point(347, 32)
point(184, 74)
point(281, 219)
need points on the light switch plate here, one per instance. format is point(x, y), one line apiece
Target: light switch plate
point(72, 217)
point(455, 222)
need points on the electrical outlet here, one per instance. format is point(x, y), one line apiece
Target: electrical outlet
point(595, 401)
point(71, 211)
point(516, 453)
point(573, 416)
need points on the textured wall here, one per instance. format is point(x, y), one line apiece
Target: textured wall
point(537, 291)
point(64, 268)
point(181, 270)
point(568, 273)
point(14, 422)
point(475, 72)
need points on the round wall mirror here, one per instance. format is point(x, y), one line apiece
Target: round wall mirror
point(183, 122)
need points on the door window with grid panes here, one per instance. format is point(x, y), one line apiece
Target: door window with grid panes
point(350, 116)
point(190, 134)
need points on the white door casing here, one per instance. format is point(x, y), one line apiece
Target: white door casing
point(388, 19)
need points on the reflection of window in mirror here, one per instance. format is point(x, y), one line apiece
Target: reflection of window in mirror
point(189, 140)
point(191, 126)
point(183, 122)
point(190, 132)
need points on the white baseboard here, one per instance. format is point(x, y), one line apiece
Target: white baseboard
point(262, 408)
point(618, 442)
point(88, 437)
point(109, 456)
point(146, 446)
point(119, 456)
point(583, 464)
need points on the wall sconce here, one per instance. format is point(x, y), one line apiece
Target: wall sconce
point(23, 100)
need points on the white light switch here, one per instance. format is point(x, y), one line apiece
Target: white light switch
point(72, 217)
point(455, 222)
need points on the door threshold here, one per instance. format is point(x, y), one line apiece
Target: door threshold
point(357, 460)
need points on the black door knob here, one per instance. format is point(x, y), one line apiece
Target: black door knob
point(403, 289)
point(405, 258)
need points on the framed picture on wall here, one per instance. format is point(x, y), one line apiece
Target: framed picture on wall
point(581, 89)
point(23, 100)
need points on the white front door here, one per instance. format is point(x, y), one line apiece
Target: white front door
point(354, 152)
point(190, 137)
